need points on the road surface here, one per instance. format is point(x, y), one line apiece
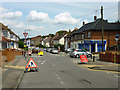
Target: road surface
point(58, 71)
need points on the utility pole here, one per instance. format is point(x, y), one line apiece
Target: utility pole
point(102, 28)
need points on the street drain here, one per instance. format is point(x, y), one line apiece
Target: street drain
point(61, 71)
point(93, 67)
point(84, 80)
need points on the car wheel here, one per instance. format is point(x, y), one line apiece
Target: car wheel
point(71, 56)
point(77, 56)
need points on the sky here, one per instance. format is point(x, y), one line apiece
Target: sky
point(43, 18)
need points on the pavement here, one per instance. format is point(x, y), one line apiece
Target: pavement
point(12, 72)
point(98, 65)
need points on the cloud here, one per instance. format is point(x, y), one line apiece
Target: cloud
point(35, 28)
point(12, 23)
point(3, 9)
point(38, 16)
point(65, 18)
point(11, 15)
point(62, 18)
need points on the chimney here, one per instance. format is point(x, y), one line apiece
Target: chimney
point(95, 18)
point(57, 33)
point(83, 23)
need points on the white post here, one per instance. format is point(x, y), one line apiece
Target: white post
point(90, 47)
point(96, 48)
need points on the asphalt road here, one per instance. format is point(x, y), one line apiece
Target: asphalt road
point(56, 71)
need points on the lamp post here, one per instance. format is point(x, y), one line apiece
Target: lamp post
point(102, 28)
point(25, 40)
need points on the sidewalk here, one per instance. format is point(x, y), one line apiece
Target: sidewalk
point(99, 65)
point(12, 72)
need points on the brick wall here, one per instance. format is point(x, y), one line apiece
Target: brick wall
point(0, 57)
point(118, 58)
point(10, 54)
point(109, 35)
point(109, 57)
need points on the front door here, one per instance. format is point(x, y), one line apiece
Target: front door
point(93, 48)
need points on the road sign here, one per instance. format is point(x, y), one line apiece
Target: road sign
point(117, 37)
point(28, 43)
point(24, 41)
point(31, 64)
point(83, 59)
point(25, 34)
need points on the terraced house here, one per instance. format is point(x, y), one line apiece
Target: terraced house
point(8, 38)
point(89, 36)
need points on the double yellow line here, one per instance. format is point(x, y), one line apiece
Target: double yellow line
point(17, 67)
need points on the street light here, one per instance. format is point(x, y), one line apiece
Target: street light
point(25, 40)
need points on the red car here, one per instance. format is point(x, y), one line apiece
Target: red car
point(34, 50)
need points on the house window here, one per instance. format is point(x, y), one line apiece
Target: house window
point(86, 35)
point(11, 35)
point(82, 36)
point(75, 37)
point(5, 33)
point(79, 37)
point(89, 34)
point(68, 39)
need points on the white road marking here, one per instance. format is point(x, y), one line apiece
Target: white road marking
point(58, 78)
point(62, 82)
point(41, 63)
point(44, 61)
point(117, 76)
point(56, 75)
point(54, 65)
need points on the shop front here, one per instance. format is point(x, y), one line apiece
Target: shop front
point(92, 45)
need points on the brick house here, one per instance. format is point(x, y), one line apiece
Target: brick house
point(47, 41)
point(89, 36)
point(35, 40)
point(68, 39)
point(8, 38)
point(58, 39)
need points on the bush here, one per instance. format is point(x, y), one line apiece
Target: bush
point(59, 45)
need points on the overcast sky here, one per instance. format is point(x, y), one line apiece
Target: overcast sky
point(43, 18)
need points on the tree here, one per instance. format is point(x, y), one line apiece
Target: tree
point(21, 44)
point(59, 45)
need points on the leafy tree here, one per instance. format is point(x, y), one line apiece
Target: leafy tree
point(59, 45)
point(21, 44)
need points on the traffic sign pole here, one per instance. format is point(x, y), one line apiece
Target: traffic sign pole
point(25, 34)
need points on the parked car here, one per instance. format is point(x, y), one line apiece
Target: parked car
point(89, 54)
point(40, 53)
point(54, 51)
point(49, 49)
point(34, 50)
point(45, 49)
point(76, 53)
point(69, 50)
point(29, 53)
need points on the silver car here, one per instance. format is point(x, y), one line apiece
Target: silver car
point(54, 51)
point(76, 53)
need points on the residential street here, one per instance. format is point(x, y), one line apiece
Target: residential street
point(58, 71)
